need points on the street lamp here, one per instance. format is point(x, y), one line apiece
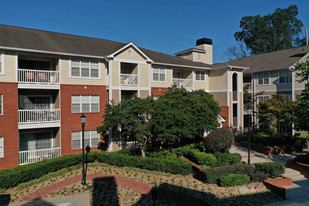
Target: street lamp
point(83, 121)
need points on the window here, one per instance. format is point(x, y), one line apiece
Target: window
point(35, 140)
point(158, 74)
point(1, 147)
point(1, 63)
point(92, 138)
point(1, 104)
point(81, 68)
point(262, 98)
point(263, 79)
point(285, 77)
point(200, 76)
point(85, 103)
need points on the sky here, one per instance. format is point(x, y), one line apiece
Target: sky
point(167, 26)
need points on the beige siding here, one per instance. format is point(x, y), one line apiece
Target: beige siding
point(297, 84)
point(144, 75)
point(220, 97)
point(116, 96)
point(218, 80)
point(241, 110)
point(135, 56)
point(116, 146)
point(10, 68)
point(115, 73)
point(144, 93)
point(273, 82)
point(168, 79)
point(66, 79)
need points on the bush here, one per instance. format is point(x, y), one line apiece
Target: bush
point(211, 175)
point(183, 151)
point(258, 176)
point(14, 176)
point(271, 169)
point(233, 180)
point(170, 165)
point(302, 159)
point(219, 140)
point(224, 159)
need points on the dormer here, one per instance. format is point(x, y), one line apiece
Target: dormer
point(202, 52)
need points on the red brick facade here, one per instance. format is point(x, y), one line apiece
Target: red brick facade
point(9, 125)
point(70, 122)
point(225, 113)
point(156, 91)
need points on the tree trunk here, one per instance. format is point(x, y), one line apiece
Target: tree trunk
point(142, 150)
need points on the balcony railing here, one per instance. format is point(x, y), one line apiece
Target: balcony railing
point(235, 97)
point(186, 83)
point(29, 76)
point(32, 156)
point(129, 79)
point(38, 116)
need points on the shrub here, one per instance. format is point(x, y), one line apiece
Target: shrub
point(258, 176)
point(302, 159)
point(271, 169)
point(224, 159)
point(219, 140)
point(183, 151)
point(202, 158)
point(212, 174)
point(233, 180)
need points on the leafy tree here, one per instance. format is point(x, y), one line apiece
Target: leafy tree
point(301, 112)
point(272, 32)
point(278, 110)
point(181, 117)
point(128, 120)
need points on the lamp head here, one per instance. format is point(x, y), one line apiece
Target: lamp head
point(83, 119)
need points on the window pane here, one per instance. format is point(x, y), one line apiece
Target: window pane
point(75, 72)
point(155, 77)
point(87, 138)
point(94, 73)
point(85, 72)
point(260, 81)
point(85, 107)
point(76, 137)
point(1, 103)
point(1, 147)
point(94, 107)
point(75, 108)
point(266, 81)
point(289, 77)
point(162, 77)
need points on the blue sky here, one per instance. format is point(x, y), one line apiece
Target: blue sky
point(167, 26)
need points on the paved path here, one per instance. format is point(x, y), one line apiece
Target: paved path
point(119, 180)
point(297, 194)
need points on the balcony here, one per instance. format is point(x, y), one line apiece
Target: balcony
point(32, 156)
point(38, 118)
point(129, 79)
point(33, 78)
point(186, 83)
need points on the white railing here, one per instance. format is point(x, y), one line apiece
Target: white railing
point(30, 76)
point(38, 116)
point(32, 156)
point(129, 79)
point(186, 83)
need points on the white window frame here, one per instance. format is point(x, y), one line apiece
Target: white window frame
point(1, 63)
point(159, 72)
point(264, 74)
point(1, 147)
point(1, 104)
point(81, 103)
point(80, 69)
point(261, 96)
point(200, 74)
point(80, 138)
point(285, 77)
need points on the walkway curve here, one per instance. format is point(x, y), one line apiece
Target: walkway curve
point(119, 180)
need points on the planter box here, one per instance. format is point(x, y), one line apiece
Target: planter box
point(277, 185)
point(302, 168)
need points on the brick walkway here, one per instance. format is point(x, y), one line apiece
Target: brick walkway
point(119, 180)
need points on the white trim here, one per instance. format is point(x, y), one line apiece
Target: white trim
point(80, 139)
point(2, 63)
point(80, 69)
point(160, 68)
point(127, 46)
point(285, 71)
point(38, 86)
point(1, 102)
point(179, 65)
point(138, 81)
point(49, 52)
point(135, 88)
point(301, 59)
point(81, 103)
point(258, 84)
point(129, 61)
point(149, 79)
point(218, 90)
point(194, 76)
point(2, 143)
point(293, 85)
point(16, 64)
point(38, 125)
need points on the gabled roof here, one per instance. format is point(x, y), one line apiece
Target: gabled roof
point(18, 38)
point(272, 60)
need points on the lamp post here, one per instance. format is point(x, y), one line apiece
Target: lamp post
point(83, 121)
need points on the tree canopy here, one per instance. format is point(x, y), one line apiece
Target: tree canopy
point(272, 32)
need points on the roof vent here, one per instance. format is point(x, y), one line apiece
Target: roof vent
point(203, 41)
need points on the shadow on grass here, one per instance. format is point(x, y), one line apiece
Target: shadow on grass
point(5, 199)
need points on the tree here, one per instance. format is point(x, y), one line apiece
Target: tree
point(235, 52)
point(128, 121)
point(181, 117)
point(301, 112)
point(271, 32)
point(278, 110)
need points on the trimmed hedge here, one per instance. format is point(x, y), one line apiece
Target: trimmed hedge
point(211, 175)
point(233, 180)
point(224, 159)
point(258, 176)
point(271, 169)
point(170, 165)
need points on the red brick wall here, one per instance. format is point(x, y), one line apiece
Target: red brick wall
point(9, 125)
point(70, 122)
point(225, 113)
point(158, 90)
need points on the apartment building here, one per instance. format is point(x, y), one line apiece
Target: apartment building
point(273, 73)
point(48, 79)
